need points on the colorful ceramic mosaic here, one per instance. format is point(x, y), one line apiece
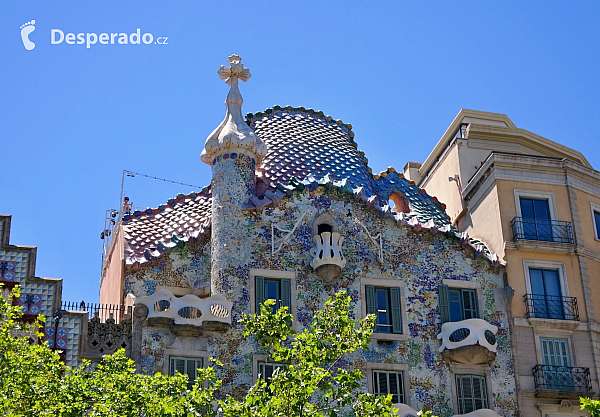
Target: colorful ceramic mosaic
point(421, 259)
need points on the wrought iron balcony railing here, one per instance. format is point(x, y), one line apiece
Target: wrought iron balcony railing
point(562, 378)
point(551, 307)
point(538, 229)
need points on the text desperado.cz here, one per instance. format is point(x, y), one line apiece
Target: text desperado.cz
point(58, 36)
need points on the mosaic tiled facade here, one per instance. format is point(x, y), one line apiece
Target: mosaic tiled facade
point(282, 181)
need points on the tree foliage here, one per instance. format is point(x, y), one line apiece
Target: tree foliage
point(593, 406)
point(312, 384)
point(316, 381)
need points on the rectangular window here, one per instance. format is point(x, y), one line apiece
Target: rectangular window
point(185, 366)
point(457, 304)
point(471, 393)
point(389, 382)
point(275, 289)
point(597, 223)
point(546, 292)
point(385, 304)
point(536, 218)
point(557, 361)
point(267, 369)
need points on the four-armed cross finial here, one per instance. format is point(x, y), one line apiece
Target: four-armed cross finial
point(234, 71)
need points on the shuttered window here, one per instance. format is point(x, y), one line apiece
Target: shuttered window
point(555, 354)
point(457, 304)
point(471, 393)
point(185, 366)
point(275, 289)
point(386, 305)
point(389, 382)
point(267, 369)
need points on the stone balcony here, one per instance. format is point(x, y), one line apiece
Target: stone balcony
point(407, 411)
point(471, 341)
point(189, 311)
point(328, 259)
point(484, 412)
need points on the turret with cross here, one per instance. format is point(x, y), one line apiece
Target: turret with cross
point(233, 150)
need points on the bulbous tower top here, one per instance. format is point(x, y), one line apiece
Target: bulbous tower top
point(233, 134)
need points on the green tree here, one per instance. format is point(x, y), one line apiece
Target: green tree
point(311, 384)
point(593, 406)
point(34, 382)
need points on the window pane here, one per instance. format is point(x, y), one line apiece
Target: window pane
point(527, 210)
point(455, 307)
point(542, 211)
point(272, 288)
point(537, 281)
point(383, 310)
point(393, 384)
point(469, 304)
point(597, 220)
point(551, 282)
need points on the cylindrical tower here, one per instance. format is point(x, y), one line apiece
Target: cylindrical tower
point(233, 150)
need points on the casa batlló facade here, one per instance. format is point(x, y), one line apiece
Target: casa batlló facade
point(294, 214)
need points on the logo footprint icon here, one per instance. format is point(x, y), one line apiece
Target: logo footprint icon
point(26, 29)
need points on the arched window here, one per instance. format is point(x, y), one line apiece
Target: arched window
point(324, 223)
point(398, 203)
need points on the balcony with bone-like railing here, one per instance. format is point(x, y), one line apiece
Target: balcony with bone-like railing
point(188, 310)
point(407, 411)
point(471, 341)
point(328, 259)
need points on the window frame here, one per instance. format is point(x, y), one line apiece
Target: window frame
point(257, 360)
point(171, 371)
point(518, 193)
point(456, 284)
point(399, 379)
point(390, 367)
point(595, 208)
point(485, 397)
point(274, 274)
point(386, 283)
point(482, 370)
point(558, 266)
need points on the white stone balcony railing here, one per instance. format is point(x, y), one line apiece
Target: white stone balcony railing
point(468, 332)
point(484, 412)
point(189, 309)
point(407, 411)
point(328, 259)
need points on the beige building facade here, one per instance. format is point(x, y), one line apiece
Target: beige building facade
point(536, 203)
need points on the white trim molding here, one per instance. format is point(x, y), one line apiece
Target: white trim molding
point(535, 194)
point(559, 266)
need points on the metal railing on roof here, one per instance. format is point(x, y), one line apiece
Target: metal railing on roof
point(103, 311)
point(540, 229)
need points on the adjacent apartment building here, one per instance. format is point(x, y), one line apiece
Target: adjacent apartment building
point(536, 203)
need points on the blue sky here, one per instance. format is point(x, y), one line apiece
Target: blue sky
point(72, 118)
